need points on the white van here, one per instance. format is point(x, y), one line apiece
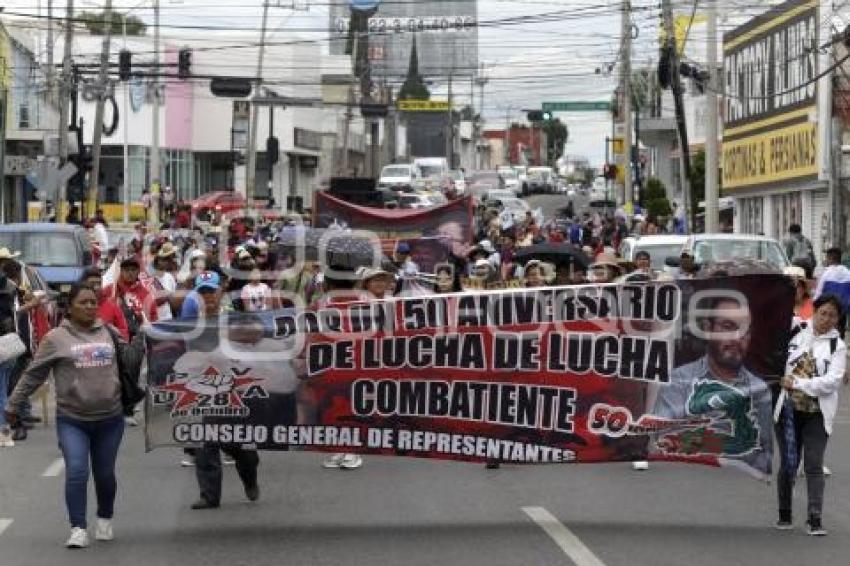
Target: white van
point(434, 170)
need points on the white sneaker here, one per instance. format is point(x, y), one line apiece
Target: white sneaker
point(131, 421)
point(187, 462)
point(6, 440)
point(640, 466)
point(228, 461)
point(103, 530)
point(351, 462)
point(79, 538)
point(827, 471)
point(334, 461)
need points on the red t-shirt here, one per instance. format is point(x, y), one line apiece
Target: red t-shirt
point(109, 313)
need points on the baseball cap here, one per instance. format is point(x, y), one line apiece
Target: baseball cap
point(207, 280)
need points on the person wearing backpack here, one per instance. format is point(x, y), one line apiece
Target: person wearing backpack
point(799, 250)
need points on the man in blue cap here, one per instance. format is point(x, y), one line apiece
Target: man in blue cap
point(205, 299)
point(407, 267)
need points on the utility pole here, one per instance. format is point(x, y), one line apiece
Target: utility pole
point(62, 205)
point(343, 171)
point(126, 115)
point(51, 96)
point(251, 162)
point(154, 170)
point(450, 133)
point(681, 127)
point(712, 194)
point(102, 88)
point(481, 81)
point(626, 78)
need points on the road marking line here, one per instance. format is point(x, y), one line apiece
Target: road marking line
point(4, 524)
point(563, 537)
point(54, 469)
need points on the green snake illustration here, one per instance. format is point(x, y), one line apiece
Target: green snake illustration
point(712, 396)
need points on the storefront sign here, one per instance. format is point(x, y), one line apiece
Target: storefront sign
point(770, 79)
point(18, 165)
point(423, 105)
point(779, 154)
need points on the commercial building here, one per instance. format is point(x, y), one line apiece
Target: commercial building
point(777, 133)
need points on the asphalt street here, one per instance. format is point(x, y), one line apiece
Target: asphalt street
point(398, 511)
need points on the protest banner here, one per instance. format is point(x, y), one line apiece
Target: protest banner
point(662, 371)
point(432, 232)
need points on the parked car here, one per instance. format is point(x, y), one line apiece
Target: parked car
point(541, 180)
point(731, 248)
point(433, 170)
point(399, 178)
point(511, 180)
point(482, 181)
point(59, 252)
point(217, 202)
point(660, 247)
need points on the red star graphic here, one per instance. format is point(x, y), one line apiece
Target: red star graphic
point(188, 397)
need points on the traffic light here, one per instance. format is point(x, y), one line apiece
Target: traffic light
point(610, 171)
point(125, 64)
point(184, 63)
point(229, 87)
point(538, 116)
point(272, 150)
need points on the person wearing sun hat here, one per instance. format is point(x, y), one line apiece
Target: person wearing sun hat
point(165, 265)
point(605, 269)
point(376, 282)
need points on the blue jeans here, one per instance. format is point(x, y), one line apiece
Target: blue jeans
point(5, 373)
point(81, 441)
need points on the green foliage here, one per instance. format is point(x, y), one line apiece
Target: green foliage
point(94, 22)
point(655, 199)
point(556, 136)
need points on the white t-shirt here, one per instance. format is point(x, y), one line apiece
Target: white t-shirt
point(255, 297)
point(169, 284)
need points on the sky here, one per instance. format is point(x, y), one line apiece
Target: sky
point(532, 51)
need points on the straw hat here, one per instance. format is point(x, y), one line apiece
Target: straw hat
point(166, 250)
point(6, 254)
point(607, 260)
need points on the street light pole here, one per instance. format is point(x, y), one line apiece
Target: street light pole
point(251, 162)
point(126, 170)
point(154, 170)
point(65, 91)
point(712, 194)
point(103, 84)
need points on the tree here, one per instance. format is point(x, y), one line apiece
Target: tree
point(414, 87)
point(94, 23)
point(655, 199)
point(556, 136)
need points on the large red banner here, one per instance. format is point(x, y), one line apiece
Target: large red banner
point(431, 232)
point(667, 371)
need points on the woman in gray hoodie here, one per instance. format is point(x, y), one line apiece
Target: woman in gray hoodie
point(81, 353)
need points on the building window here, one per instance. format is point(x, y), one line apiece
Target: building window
point(23, 117)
